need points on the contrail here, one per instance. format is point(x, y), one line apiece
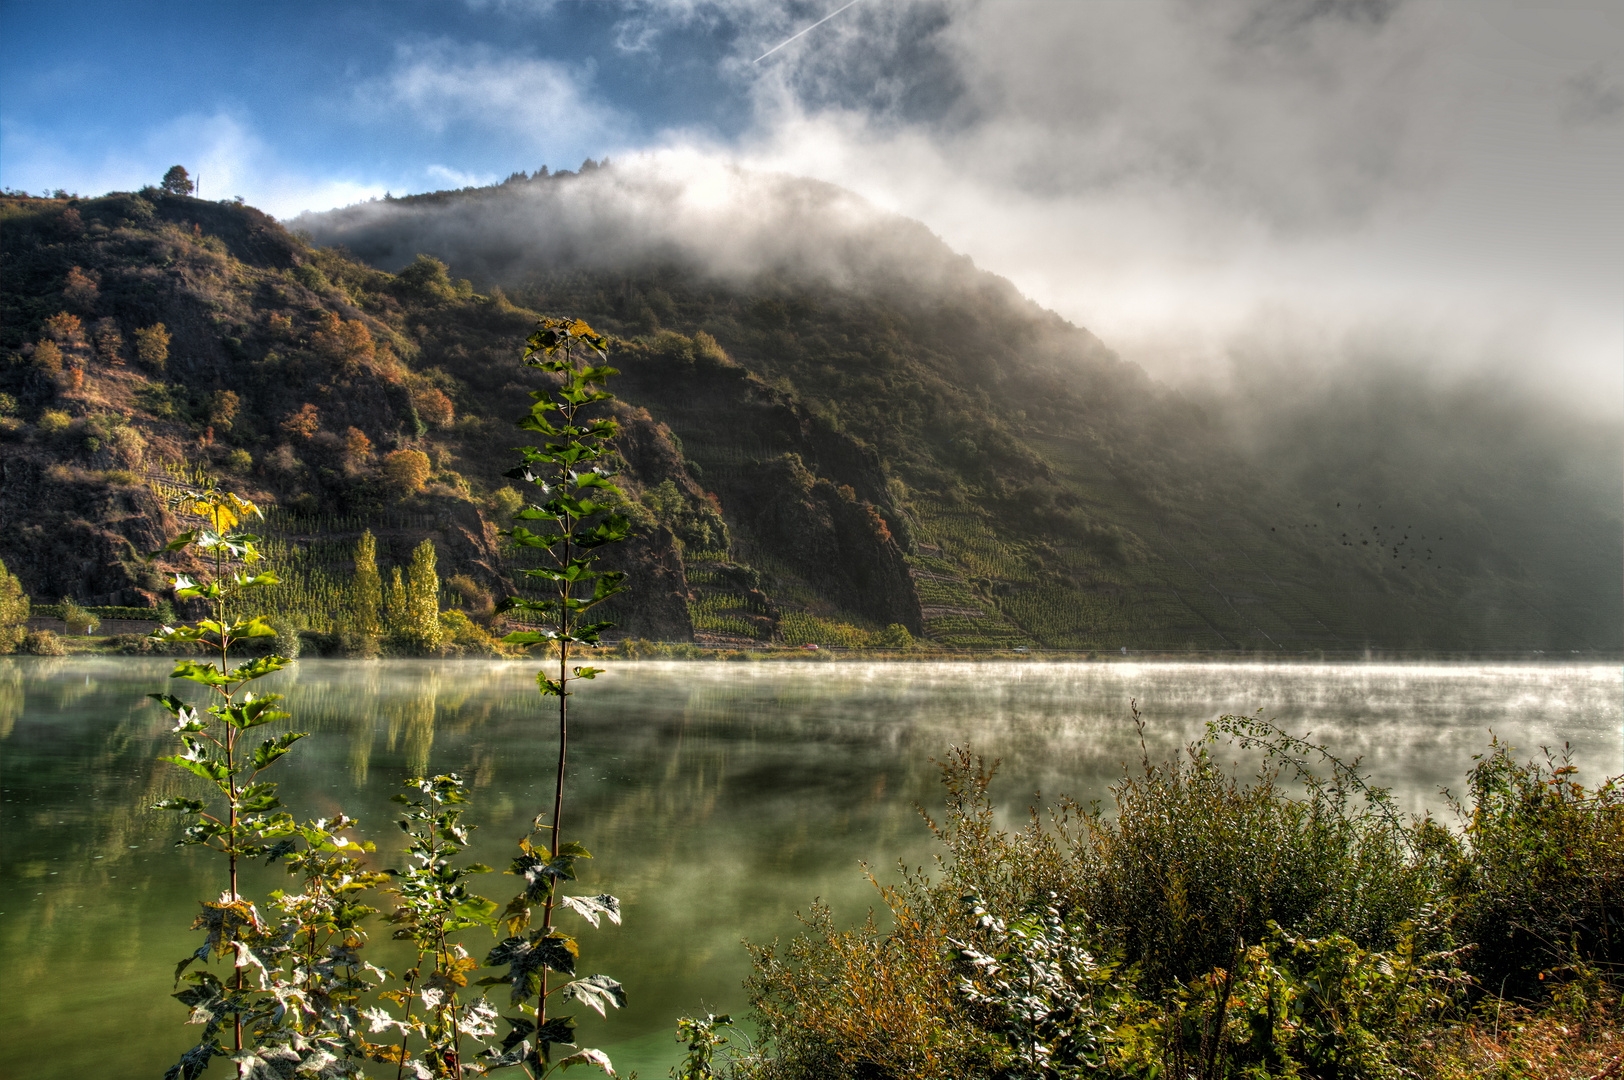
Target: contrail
point(814, 26)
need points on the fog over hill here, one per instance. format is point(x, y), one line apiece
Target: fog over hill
point(708, 217)
point(1525, 493)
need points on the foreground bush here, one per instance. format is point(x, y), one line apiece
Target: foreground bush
point(1213, 928)
point(1540, 877)
point(42, 643)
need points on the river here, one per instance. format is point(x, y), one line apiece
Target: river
point(717, 798)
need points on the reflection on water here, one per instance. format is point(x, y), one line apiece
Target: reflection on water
point(718, 798)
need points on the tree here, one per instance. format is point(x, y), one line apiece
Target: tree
point(13, 611)
point(407, 469)
point(578, 518)
point(82, 289)
point(357, 447)
point(223, 407)
point(65, 329)
point(152, 345)
point(176, 182)
point(421, 622)
point(433, 406)
point(303, 422)
point(394, 603)
point(366, 588)
point(48, 358)
point(346, 343)
point(427, 277)
point(77, 619)
point(109, 342)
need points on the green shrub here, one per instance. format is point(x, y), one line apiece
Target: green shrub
point(1211, 928)
point(310, 276)
point(79, 620)
point(505, 502)
point(696, 522)
point(1194, 860)
point(1540, 876)
point(42, 643)
point(54, 421)
point(136, 644)
point(466, 636)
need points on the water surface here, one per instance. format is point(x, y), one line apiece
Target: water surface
point(718, 798)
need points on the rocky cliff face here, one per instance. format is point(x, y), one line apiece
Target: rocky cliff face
point(65, 531)
point(827, 536)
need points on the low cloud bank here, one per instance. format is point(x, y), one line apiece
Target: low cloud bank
point(709, 217)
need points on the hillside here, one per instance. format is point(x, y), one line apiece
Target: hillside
point(843, 429)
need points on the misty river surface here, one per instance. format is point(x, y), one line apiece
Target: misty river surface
point(717, 798)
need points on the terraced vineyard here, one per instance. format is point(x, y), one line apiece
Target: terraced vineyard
point(721, 612)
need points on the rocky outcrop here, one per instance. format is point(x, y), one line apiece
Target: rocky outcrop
point(70, 532)
point(835, 541)
point(655, 603)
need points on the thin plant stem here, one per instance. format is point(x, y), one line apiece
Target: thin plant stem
point(562, 476)
point(231, 775)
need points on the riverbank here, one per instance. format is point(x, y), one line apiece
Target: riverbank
point(129, 637)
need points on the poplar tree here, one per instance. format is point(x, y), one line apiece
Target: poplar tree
point(395, 605)
point(366, 588)
point(422, 606)
point(13, 611)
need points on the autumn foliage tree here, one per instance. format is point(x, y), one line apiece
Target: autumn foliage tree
point(357, 448)
point(152, 345)
point(434, 407)
point(345, 342)
point(407, 469)
point(82, 289)
point(48, 358)
point(302, 423)
point(109, 342)
point(65, 329)
point(223, 407)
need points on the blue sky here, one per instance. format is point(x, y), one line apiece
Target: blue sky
point(1202, 182)
point(279, 102)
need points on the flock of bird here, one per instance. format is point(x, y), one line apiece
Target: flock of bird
point(1385, 543)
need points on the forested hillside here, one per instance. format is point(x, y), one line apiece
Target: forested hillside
point(874, 445)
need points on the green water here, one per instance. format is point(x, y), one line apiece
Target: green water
point(718, 799)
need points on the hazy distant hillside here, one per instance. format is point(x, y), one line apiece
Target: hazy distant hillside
point(834, 424)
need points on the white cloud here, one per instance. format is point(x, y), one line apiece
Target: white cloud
point(458, 178)
point(541, 103)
